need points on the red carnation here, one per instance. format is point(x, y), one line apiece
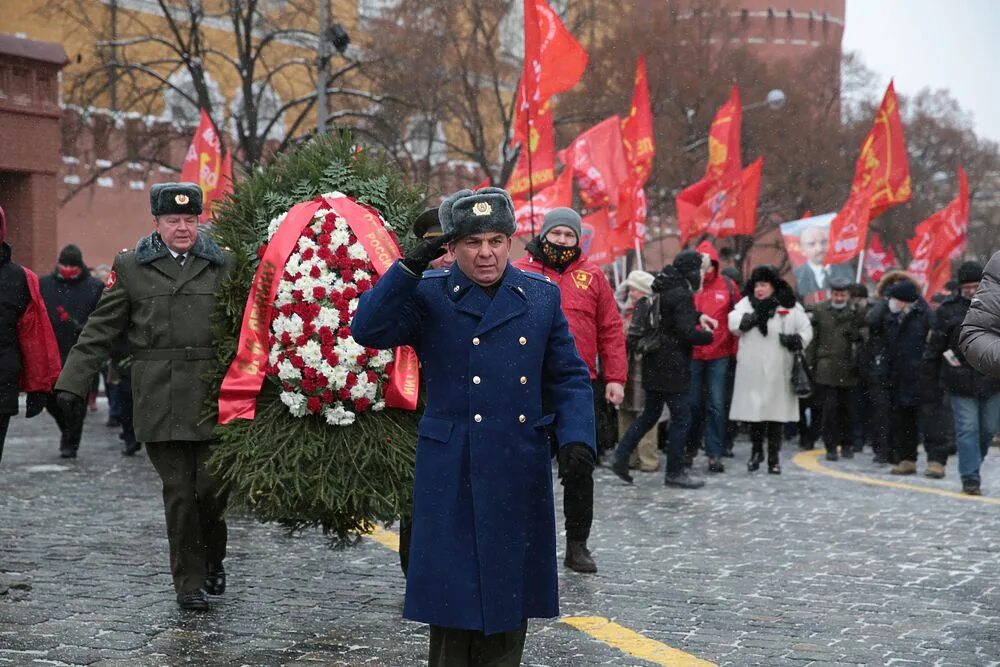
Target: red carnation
point(308, 386)
point(307, 253)
point(330, 217)
point(372, 378)
point(364, 285)
point(328, 396)
point(326, 336)
point(313, 404)
point(309, 373)
point(315, 272)
point(322, 381)
point(344, 332)
point(350, 293)
point(341, 252)
point(286, 338)
point(297, 294)
point(324, 254)
point(296, 361)
point(301, 340)
point(344, 394)
point(347, 276)
point(332, 359)
point(362, 404)
point(323, 239)
point(361, 359)
point(319, 292)
point(352, 379)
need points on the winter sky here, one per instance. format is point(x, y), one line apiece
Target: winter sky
point(952, 44)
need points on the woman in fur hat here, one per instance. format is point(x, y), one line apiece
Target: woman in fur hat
point(771, 327)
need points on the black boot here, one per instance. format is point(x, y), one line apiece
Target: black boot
point(621, 469)
point(773, 459)
point(578, 557)
point(755, 458)
point(193, 601)
point(215, 579)
point(681, 480)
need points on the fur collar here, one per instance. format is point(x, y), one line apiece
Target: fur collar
point(152, 247)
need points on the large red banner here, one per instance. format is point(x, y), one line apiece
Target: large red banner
point(597, 158)
point(205, 165)
point(882, 166)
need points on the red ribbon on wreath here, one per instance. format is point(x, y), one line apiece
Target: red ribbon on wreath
point(245, 377)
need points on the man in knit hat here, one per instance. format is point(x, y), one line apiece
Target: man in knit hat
point(71, 294)
point(974, 396)
point(588, 302)
point(494, 347)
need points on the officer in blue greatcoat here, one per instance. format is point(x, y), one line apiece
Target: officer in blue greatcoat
point(492, 341)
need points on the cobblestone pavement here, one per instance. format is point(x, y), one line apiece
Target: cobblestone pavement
point(801, 569)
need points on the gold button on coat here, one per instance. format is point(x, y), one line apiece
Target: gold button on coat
point(524, 380)
point(521, 418)
point(475, 341)
point(478, 418)
point(522, 340)
point(476, 380)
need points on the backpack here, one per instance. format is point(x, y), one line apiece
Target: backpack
point(644, 334)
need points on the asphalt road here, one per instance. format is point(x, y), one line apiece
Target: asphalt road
point(798, 569)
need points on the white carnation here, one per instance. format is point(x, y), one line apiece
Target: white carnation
point(288, 372)
point(296, 403)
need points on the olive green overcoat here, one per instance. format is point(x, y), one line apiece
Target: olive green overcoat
point(831, 353)
point(167, 312)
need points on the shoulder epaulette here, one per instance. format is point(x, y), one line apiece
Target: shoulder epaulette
point(436, 273)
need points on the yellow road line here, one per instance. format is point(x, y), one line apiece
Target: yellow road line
point(601, 629)
point(809, 460)
point(386, 538)
point(632, 643)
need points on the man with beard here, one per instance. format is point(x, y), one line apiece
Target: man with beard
point(588, 302)
point(71, 295)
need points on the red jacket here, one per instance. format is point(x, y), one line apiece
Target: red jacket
point(588, 301)
point(717, 297)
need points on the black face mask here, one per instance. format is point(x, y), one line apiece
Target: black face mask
point(557, 256)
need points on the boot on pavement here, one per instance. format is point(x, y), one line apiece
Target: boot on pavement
point(934, 470)
point(578, 557)
point(904, 468)
point(193, 601)
point(970, 487)
point(621, 469)
point(683, 481)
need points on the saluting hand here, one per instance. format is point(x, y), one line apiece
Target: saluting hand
point(422, 254)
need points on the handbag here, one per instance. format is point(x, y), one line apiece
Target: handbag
point(802, 383)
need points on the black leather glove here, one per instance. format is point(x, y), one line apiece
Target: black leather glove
point(420, 255)
point(748, 322)
point(70, 404)
point(793, 342)
point(36, 403)
point(576, 460)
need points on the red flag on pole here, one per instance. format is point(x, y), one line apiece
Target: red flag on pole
point(559, 194)
point(849, 230)
point(553, 62)
point(883, 166)
point(205, 165)
point(637, 128)
point(597, 158)
point(878, 258)
point(939, 237)
point(727, 207)
point(724, 138)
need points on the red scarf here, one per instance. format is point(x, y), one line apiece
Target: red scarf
point(40, 362)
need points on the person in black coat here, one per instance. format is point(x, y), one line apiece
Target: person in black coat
point(666, 370)
point(71, 295)
point(908, 321)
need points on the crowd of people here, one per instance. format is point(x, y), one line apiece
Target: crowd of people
point(885, 372)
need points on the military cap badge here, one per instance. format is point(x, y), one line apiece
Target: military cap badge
point(181, 200)
point(482, 208)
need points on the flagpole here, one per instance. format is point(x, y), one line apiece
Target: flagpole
point(861, 257)
point(531, 178)
point(638, 255)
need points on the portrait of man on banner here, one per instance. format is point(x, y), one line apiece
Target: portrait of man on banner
point(806, 242)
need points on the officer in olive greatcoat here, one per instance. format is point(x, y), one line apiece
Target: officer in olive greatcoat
point(492, 342)
point(164, 294)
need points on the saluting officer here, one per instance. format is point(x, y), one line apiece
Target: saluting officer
point(492, 342)
point(163, 294)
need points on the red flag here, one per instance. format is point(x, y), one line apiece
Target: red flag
point(597, 159)
point(632, 209)
point(601, 243)
point(849, 230)
point(542, 144)
point(727, 207)
point(637, 128)
point(939, 237)
point(206, 166)
point(724, 138)
point(883, 166)
point(559, 194)
point(878, 258)
point(553, 62)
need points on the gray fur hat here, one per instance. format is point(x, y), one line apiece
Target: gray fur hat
point(488, 210)
point(562, 217)
point(175, 198)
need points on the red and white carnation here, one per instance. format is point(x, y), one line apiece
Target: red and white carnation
point(322, 369)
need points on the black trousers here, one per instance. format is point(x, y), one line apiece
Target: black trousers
point(811, 421)
point(904, 432)
point(471, 648)
point(605, 419)
point(839, 414)
point(194, 503)
point(578, 503)
point(4, 422)
point(70, 425)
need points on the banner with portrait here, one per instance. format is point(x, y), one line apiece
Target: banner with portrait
point(806, 242)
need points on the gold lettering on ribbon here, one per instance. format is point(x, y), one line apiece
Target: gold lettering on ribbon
point(258, 322)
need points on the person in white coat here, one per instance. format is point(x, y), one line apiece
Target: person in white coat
point(771, 327)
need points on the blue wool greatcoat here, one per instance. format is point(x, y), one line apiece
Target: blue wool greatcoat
point(483, 555)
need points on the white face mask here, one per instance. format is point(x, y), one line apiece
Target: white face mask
point(896, 306)
point(838, 306)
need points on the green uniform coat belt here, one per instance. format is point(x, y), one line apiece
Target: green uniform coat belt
point(175, 354)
